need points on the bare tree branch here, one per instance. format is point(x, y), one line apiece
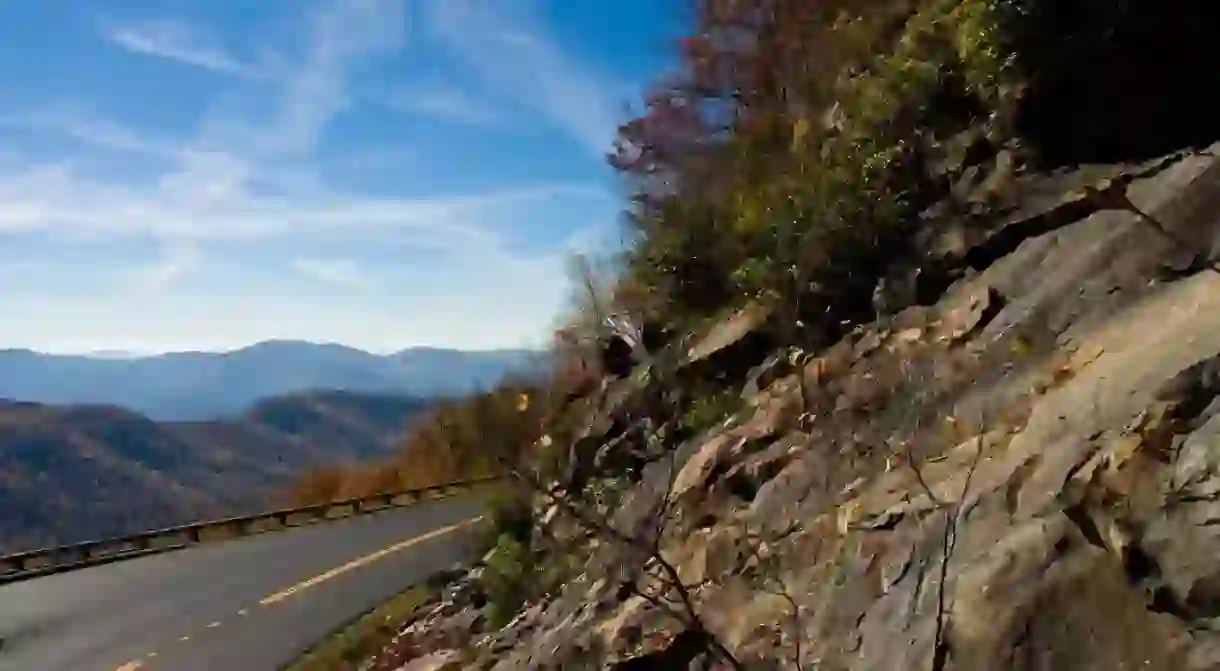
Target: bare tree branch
point(940, 654)
point(770, 575)
point(645, 554)
point(666, 501)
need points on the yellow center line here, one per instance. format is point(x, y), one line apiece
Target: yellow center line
point(367, 559)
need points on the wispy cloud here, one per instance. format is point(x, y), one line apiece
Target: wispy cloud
point(373, 159)
point(339, 272)
point(341, 35)
point(212, 197)
point(514, 56)
point(176, 41)
point(309, 88)
point(178, 261)
point(246, 200)
point(83, 125)
point(444, 102)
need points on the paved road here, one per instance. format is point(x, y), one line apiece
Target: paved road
point(250, 604)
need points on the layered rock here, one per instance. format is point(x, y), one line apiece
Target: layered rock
point(1019, 474)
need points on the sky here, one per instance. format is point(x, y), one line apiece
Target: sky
point(205, 174)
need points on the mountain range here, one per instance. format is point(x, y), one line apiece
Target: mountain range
point(185, 386)
point(71, 473)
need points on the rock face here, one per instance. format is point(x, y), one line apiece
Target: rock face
point(1023, 474)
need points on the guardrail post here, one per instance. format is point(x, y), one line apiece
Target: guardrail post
point(68, 557)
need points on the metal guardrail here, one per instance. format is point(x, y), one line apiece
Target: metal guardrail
point(43, 561)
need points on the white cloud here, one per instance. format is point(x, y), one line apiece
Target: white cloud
point(373, 159)
point(339, 272)
point(443, 102)
point(248, 183)
point(309, 88)
point(87, 127)
point(491, 319)
point(176, 41)
point(341, 35)
point(178, 261)
point(514, 57)
point(244, 176)
point(211, 197)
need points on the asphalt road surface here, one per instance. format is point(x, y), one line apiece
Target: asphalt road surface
point(250, 604)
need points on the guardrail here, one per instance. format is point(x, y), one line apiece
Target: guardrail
point(43, 561)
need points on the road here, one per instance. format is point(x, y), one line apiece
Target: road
point(250, 604)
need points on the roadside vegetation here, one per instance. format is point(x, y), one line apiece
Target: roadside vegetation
point(789, 161)
point(351, 645)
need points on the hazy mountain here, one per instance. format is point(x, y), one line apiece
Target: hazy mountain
point(70, 473)
point(207, 385)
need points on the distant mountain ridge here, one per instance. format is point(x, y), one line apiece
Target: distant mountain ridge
point(71, 473)
point(206, 385)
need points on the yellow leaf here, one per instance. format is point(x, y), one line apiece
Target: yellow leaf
point(799, 130)
point(1021, 345)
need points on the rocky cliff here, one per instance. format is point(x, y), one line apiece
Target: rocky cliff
point(1017, 472)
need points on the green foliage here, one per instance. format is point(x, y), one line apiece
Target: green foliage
point(510, 576)
point(507, 579)
point(509, 511)
point(350, 646)
point(707, 411)
point(605, 494)
point(781, 205)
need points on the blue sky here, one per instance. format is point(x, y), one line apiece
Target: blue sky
point(203, 174)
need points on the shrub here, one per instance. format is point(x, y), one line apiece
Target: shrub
point(317, 485)
point(785, 160)
point(507, 578)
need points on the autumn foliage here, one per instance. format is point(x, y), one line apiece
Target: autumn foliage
point(458, 439)
point(786, 158)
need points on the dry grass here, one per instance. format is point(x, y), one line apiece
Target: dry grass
point(368, 635)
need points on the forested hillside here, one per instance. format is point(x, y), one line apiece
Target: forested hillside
point(72, 473)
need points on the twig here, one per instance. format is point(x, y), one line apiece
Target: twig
point(671, 581)
point(909, 458)
point(782, 591)
point(666, 502)
point(940, 653)
point(908, 450)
